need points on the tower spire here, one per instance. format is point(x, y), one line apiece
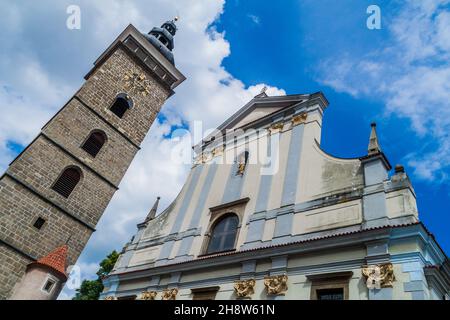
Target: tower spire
point(151, 215)
point(374, 146)
point(162, 38)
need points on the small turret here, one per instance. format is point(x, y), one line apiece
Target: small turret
point(162, 38)
point(44, 278)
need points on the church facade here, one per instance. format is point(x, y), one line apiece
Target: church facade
point(55, 191)
point(266, 213)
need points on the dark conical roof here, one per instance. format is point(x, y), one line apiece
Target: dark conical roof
point(162, 39)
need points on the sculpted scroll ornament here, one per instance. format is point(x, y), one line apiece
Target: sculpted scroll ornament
point(276, 284)
point(277, 127)
point(148, 295)
point(379, 276)
point(244, 288)
point(298, 119)
point(137, 83)
point(110, 298)
point(169, 294)
point(217, 151)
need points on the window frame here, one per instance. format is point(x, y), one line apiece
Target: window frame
point(42, 225)
point(208, 293)
point(61, 174)
point(336, 280)
point(223, 217)
point(105, 140)
point(125, 97)
point(48, 279)
point(237, 207)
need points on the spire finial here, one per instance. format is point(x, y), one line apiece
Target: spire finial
point(262, 93)
point(374, 146)
point(151, 215)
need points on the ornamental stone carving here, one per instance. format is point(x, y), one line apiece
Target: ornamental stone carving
point(137, 83)
point(218, 151)
point(244, 288)
point(169, 294)
point(148, 295)
point(379, 276)
point(275, 128)
point(276, 284)
point(110, 298)
point(299, 119)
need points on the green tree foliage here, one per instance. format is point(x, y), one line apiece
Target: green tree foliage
point(91, 289)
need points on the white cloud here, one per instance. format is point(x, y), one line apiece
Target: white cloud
point(412, 75)
point(40, 70)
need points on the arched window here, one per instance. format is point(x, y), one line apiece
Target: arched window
point(94, 142)
point(67, 181)
point(121, 105)
point(223, 234)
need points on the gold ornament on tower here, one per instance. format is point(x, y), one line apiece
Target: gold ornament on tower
point(137, 83)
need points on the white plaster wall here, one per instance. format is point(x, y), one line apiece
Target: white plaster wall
point(330, 217)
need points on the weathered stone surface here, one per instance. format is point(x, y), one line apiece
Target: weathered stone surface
point(25, 189)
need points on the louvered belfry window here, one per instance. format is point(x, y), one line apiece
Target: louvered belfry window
point(94, 143)
point(67, 181)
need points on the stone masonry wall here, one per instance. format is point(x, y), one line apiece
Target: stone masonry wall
point(72, 126)
point(41, 165)
point(25, 191)
point(11, 271)
point(107, 82)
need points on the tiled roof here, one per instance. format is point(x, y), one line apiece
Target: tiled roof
point(287, 244)
point(55, 260)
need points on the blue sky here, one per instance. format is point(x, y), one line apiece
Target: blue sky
point(287, 47)
point(398, 76)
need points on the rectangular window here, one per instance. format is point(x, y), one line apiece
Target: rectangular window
point(330, 294)
point(205, 293)
point(330, 286)
point(39, 223)
point(48, 286)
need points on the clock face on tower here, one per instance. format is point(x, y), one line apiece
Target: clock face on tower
point(137, 83)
